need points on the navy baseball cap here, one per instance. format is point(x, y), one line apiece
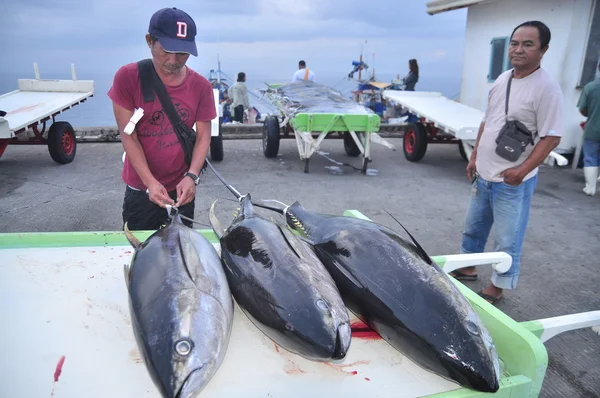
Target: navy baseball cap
point(175, 30)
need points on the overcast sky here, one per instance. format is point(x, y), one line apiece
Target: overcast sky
point(260, 37)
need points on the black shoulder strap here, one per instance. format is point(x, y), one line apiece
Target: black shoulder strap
point(508, 95)
point(145, 70)
point(151, 83)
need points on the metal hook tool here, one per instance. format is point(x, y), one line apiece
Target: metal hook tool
point(171, 210)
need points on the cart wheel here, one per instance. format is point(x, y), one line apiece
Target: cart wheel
point(415, 142)
point(216, 147)
point(3, 145)
point(350, 146)
point(61, 142)
point(270, 138)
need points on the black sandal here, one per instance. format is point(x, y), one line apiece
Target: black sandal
point(456, 274)
point(490, 299)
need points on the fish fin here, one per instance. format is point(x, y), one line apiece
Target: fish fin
point(350, 276)
point(189, 255)
point(135, 242)
point(279, 207)
point(126, 270)
point(306, 240)
point(295, 243)
point(214, 221)
point(420, 249)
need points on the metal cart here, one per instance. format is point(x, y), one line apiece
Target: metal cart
point(65, 304)
point(308, 108)
point(33, 104)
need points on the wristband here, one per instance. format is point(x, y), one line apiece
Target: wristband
point(137, 115)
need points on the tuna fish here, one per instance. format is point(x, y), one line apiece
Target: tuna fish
point(393, 286)
point(181, 308)
point(282, 287)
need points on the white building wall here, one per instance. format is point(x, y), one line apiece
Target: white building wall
point(569, 22)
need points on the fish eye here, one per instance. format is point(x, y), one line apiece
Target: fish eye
point(472, 328)
point(183, 347)
point(322, 304)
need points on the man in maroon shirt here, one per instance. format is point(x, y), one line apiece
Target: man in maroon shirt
point(155, 169)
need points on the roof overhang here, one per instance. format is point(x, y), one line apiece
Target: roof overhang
point(439, 6)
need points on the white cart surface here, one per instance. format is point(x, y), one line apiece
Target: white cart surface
point(72, 302)
point(36, 100)
point(64, 305)
point(447, 115)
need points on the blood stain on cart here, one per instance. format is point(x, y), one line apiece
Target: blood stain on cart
point(362, 331)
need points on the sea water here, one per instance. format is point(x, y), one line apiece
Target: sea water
point(97, 110)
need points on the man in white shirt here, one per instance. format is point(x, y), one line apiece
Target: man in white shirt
point(503, 183)
point(238, 92)
point(303, 73)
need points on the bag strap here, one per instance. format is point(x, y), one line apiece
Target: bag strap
point(150, 79)
point(508, 95)
point(147, 70)
point(150, 82)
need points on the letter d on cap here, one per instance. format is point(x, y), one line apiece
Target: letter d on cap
point(181, 29)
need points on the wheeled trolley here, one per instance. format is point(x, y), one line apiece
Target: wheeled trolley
point(25, 112)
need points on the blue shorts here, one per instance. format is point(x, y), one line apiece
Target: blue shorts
point(591, 153)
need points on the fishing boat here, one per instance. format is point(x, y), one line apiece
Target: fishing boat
point(369, 90)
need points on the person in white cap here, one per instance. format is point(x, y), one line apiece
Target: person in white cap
point(155, 170)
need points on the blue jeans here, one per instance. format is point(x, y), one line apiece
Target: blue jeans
point(591, 153)
point(506, 209)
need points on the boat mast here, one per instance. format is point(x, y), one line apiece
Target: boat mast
point(219, 71)
point(361, 58)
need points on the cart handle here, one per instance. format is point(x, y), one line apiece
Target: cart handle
point(547, 328)
point(500, 261)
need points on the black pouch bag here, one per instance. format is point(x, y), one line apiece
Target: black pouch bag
point(151, 83)
point(514, 137)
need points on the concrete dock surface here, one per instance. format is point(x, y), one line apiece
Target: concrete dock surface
point(559, 270)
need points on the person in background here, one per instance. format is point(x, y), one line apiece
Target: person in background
point(502, 189)
point(238, 93)
point(413, 76)
point(155, 170)
point(303, 73)
point(589, 106)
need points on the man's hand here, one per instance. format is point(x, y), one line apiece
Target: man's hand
point(159, 195)
point(513, 176)
point(186, 190)
point(471, 168)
